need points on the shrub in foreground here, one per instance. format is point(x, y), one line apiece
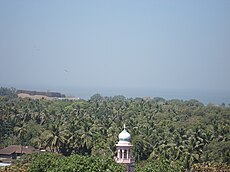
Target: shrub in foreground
point(159, 165)
point(210, 167)
point(48, 162)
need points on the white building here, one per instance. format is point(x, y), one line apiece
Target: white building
point(124, 154)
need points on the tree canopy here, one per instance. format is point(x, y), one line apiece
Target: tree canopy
point(184, 132)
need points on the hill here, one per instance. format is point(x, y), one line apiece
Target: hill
point(39, 94)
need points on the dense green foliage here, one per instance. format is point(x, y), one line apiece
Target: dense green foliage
point(160, 165)
point(210, 167)
point(187, 132)
point(52, 163)
point(8, 92)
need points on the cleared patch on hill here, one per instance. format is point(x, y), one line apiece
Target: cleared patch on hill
point(24, 95)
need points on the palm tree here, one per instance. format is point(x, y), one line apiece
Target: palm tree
point(20, 132)
point(55, 137)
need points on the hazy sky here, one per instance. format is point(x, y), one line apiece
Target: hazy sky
point(155, 44)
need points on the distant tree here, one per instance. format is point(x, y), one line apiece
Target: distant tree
point(96, 98)
point(158, 99)
point(119, 98)
point(8, 92)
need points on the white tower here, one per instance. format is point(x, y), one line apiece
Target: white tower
point(124, 155)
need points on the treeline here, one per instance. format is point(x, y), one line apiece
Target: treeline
point(180, 132)
point(8, 92)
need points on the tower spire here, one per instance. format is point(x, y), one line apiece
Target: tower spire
point(124, 154)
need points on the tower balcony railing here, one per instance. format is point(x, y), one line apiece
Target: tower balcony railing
point(125, 161)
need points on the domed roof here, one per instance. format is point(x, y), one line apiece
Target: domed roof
point(124, 135)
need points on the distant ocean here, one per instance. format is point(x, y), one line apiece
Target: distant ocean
point(206, 97)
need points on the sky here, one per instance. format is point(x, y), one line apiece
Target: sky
point(119, 44)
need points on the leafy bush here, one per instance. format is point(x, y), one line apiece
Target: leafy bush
point(210, 167)
point(14, 168)
point(49, 162)
point(44, 162)
point(160, 165)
